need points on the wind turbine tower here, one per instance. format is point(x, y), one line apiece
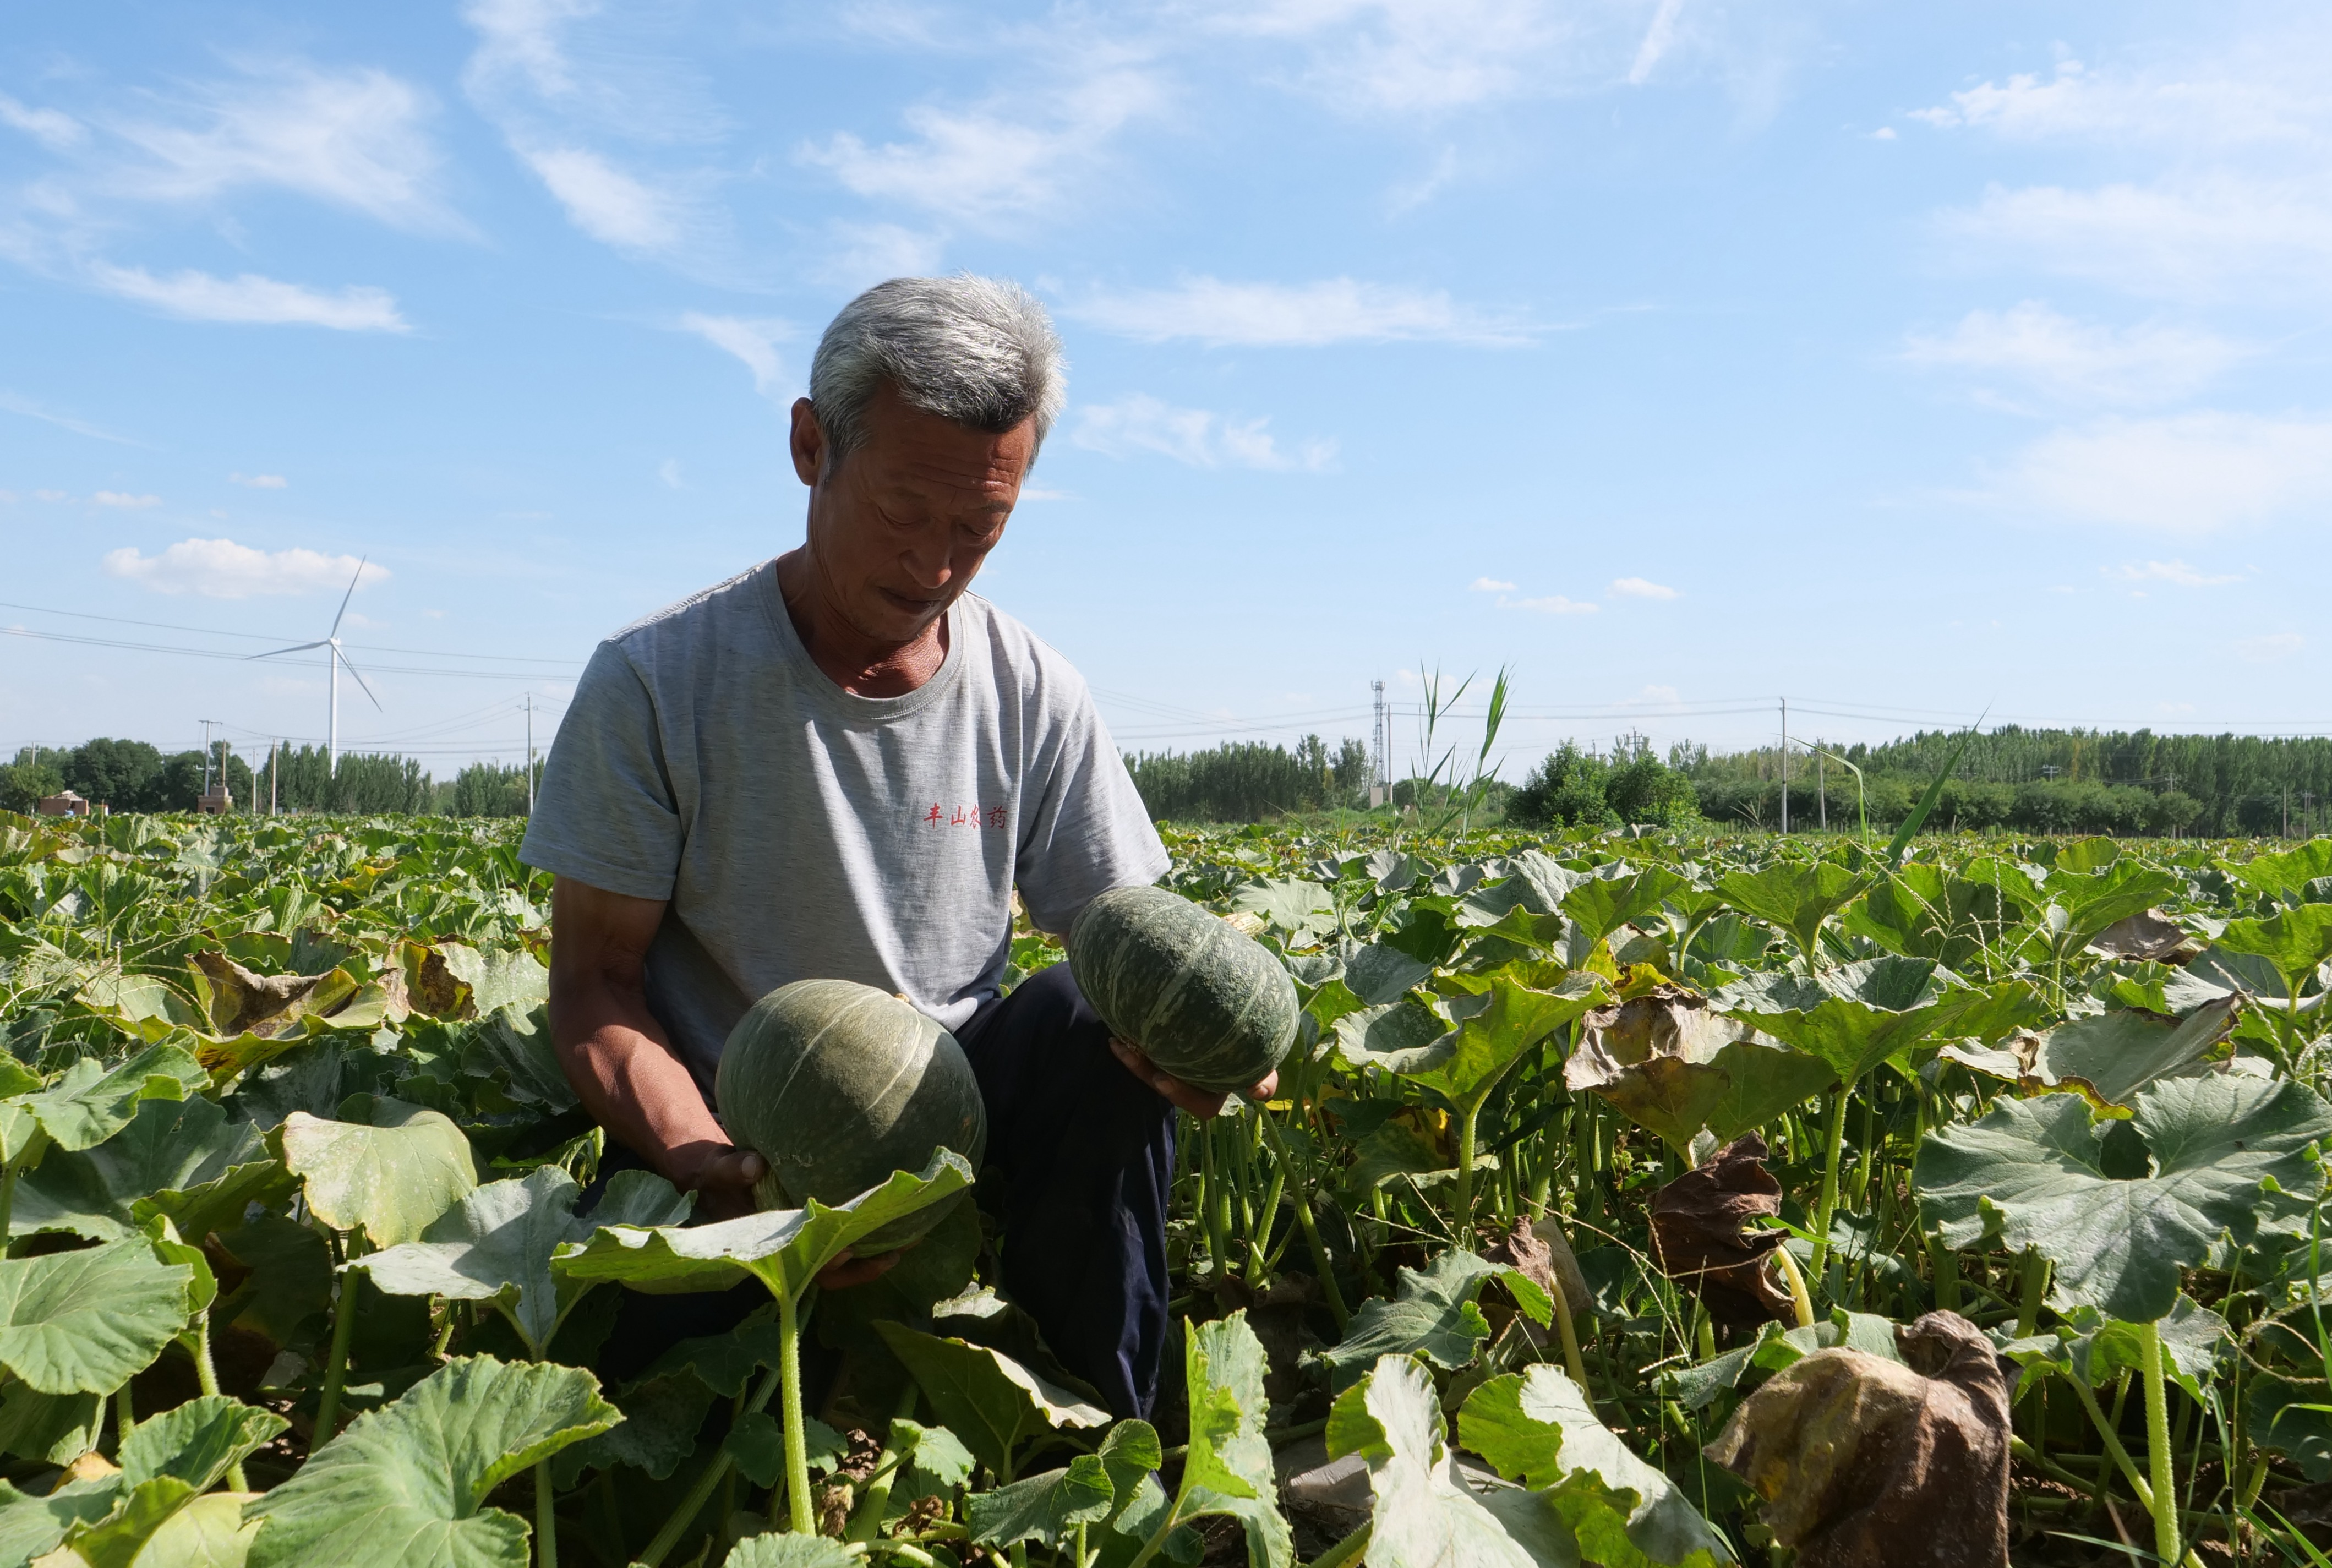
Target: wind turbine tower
point(338, 661)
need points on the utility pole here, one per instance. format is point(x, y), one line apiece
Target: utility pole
point(1785, 765)
point(530, 753)
point(1380, 790)
point(272, 770)
point(207, 754)
point(1821, 788)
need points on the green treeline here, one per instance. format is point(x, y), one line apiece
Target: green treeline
point(1248, 781)
point(2123, 783)
point(133, 776)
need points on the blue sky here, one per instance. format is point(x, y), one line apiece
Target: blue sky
point(1909, 361)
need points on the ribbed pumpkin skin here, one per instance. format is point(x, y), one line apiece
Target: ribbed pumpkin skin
point(1203, 1000)
point(836, 1086)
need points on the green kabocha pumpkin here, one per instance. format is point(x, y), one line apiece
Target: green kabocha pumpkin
point(836, 1086)
point(1203, 1000)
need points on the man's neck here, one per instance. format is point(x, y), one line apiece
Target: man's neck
point(853, 661)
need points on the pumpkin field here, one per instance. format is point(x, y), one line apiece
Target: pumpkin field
point(1629, 1198)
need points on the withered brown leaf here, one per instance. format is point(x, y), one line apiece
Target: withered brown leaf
point(1868, 1463)
point(1698, 1237)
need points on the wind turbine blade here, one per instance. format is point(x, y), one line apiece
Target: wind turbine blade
point(351, 669)
point(302, 648)
point(345, 598)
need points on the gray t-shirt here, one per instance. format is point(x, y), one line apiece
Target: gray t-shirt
point(799, 832)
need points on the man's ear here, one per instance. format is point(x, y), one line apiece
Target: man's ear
point(808, 442)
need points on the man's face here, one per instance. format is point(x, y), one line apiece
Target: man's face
point(899, 528)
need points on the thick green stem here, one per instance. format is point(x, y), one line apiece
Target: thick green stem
point(207, 1378)
point(2157, 1444)
point(1214, 1203)
point(1800, 1300)
point(676, 1524)
point(2035, 1284)
point(1572, 1361)
point(1945, 1264)
point(125, 1415)
point(336, 1364)
point(1329, 1290)
point(1831, 1157)
point(875, 1501)
point(546, 1522)
point(804, 1519)
point(2119, 1455)
point(1463, 1211)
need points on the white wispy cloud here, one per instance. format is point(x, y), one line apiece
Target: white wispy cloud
point(355, 139)
point(259, 481)
point(15, 403)
point(753, 341)
point(125, 500)
point(2080, 362)
point(1196, 436)
point(669, 471)
point(606, 203)
point(1299, 315)
point(2192, 474)
point(2239, 100)
point(860, 255)
point(1490, 584)
point(1636, 588)
point(2202, 235)
point(251, 298)
point(223, 569)
point(2175, 572)
point(53, 129)
point(991, 166)
point(1436, 56)
point(1659, 37)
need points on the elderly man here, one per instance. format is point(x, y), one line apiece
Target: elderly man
point(840, 764)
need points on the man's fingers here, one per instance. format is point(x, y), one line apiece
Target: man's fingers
point(1267, 1088)
point(846, 1270)
point(1200, 1103)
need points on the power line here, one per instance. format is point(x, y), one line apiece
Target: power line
point(263, 638)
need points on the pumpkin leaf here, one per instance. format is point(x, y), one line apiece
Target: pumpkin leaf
point(1227, 1468)
point(33, 1526)
point(783, 1248)
point(87, 1321)
point(408, 1483)
point(1796, 897)
point(1602, 905)
point(2121, 1211)
point(91, 1103)
point(1537, 1427)
point(182, 1158)
point(1495, 1026)
point(1047, 1507)
point(1432, 1314)
point(983, 1396)
point(497, 1244)
point(390, 1179)
point(2114, 1055)
point(207, 1531)
point(784, 1549)
point(1424, 1514)
point(1673, 1065)
point(2297, 942)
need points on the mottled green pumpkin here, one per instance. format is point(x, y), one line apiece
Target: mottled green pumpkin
point(836, 1086)
point(1203, 1000)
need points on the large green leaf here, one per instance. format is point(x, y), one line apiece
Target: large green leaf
point(1537, 1427)
point(2297, 942)
point(87, 1321)
point(182, 1158)
point(91, 1103)
point(1602, 905)
point(2114, 1055)
point(208, 1532)
point(985, 1397)
point(32, 1525)
point(2284, 876)
point(497, 1243)
point(2092, 901)
point(2120, 1209)
point(1432, 1314)
point(167, 1463)
point(783, 1549)
point(1425, 1516)
point(1797, 897)
point(1409, 1034)
point(407, 1485)
point(1495, 1026)
point(389, 1179)
point(1863, 1014)
point(1089, 1492)
point(783, 1248)
point(1227, 1468)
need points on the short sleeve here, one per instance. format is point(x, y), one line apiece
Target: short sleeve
point(1089, 831)
point(605, 813)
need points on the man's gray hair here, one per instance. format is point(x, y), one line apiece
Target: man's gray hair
point(981, 351)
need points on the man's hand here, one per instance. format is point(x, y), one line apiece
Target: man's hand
point(1200, 1103)
point(722, 1175)
point(848, 1269)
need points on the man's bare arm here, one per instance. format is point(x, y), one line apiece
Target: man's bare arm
point(614, 1052)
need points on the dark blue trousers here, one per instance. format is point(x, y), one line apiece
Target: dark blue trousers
point(1080, 1161)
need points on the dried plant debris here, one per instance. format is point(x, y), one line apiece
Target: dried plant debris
point(1697, 1236)
point(1865, 1463)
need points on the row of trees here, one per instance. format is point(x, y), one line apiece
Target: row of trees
point(133, 776)
point(1248, 781)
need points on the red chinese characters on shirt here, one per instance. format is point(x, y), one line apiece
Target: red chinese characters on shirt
point(969, 815)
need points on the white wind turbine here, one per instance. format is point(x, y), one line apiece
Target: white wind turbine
point(338, 661)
